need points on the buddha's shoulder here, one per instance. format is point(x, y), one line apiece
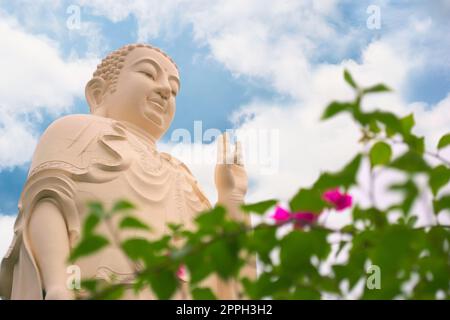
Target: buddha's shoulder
point(72, 124)
point(74, 128)
point(68, 136)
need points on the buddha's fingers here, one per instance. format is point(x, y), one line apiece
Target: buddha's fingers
point(225, 154)
point(228, 153)
point(220, 150)
point(238, 157)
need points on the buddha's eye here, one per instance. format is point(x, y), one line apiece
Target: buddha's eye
point(148, 74)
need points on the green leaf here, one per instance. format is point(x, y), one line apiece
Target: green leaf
point(199, 266)
point(373, 215)
point(377, 88)
point(380, 154)
point(373, 126)
point(175, 227)
point(353, 271)
point(259, 207)
point(390, 120)
point(416, 144)
point(347, 175)
point(224, 257)
point(307, 200)
point(211, 220)
point(345, 178)
point(136, 248)
point(262, 241)
point(306, 293)
point(298, 247)
point(444, 141)
point(132, 223)
point(162, 243)
point(341, 246)
point(407, 123)
point(335, 108)
point(90, 223)
point(122, 205)
point(402, 243)
point(163, 282)
point(410, 192)
point(349, 79)
point(441, 204)
point(203, 294)
point(410, 162)
point(90, 285)
point(87, 246)
point(389, 132)
point(439, 177)
point(112, 293)
point(264, 286)
point(411, 222)
point(328, 284)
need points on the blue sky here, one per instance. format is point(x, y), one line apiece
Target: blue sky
point(228, 62)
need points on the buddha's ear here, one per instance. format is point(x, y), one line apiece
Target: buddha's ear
point(95, 91)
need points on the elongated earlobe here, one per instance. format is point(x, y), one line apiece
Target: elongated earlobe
point(94, 91)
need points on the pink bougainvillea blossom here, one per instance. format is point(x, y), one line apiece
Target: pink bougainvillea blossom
point(300, 218)
point(281, 215)
point(307, 217)
point(181, 273)
point(339, 200)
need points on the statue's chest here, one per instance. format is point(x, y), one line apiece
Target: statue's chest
point(160, 186)
point(159, 182)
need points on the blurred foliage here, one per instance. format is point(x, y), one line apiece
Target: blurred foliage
point(301, 263)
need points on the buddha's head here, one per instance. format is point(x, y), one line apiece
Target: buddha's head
point(138, 84)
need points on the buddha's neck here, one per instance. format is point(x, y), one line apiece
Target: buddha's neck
point(141, 133)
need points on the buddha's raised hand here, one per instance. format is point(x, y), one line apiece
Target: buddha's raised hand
point(231, 184)
point(230, 176)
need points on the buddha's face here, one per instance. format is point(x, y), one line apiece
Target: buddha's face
point(145, 92)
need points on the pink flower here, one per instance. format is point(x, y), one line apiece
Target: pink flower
point(339, 200)
point(181, 273)
point(281, 215)
point(307, 217)
point(300, 218)
point(304, 218)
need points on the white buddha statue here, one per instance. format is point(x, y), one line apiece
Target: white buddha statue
point(106, 156)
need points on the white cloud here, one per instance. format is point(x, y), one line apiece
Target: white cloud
point(248, 37)
point(37, 74)
point(6, 233)
point(62, 21)
point(37, 80)
point(153, 16)
point(17, 140)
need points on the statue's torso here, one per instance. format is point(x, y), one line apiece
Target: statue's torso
point(160, 187)
point(110, 161)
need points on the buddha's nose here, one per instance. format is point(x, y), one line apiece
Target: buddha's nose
point(164, 92)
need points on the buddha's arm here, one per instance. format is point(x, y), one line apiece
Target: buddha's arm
point(231, 184)
point(230, 289)
point(50, 245)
